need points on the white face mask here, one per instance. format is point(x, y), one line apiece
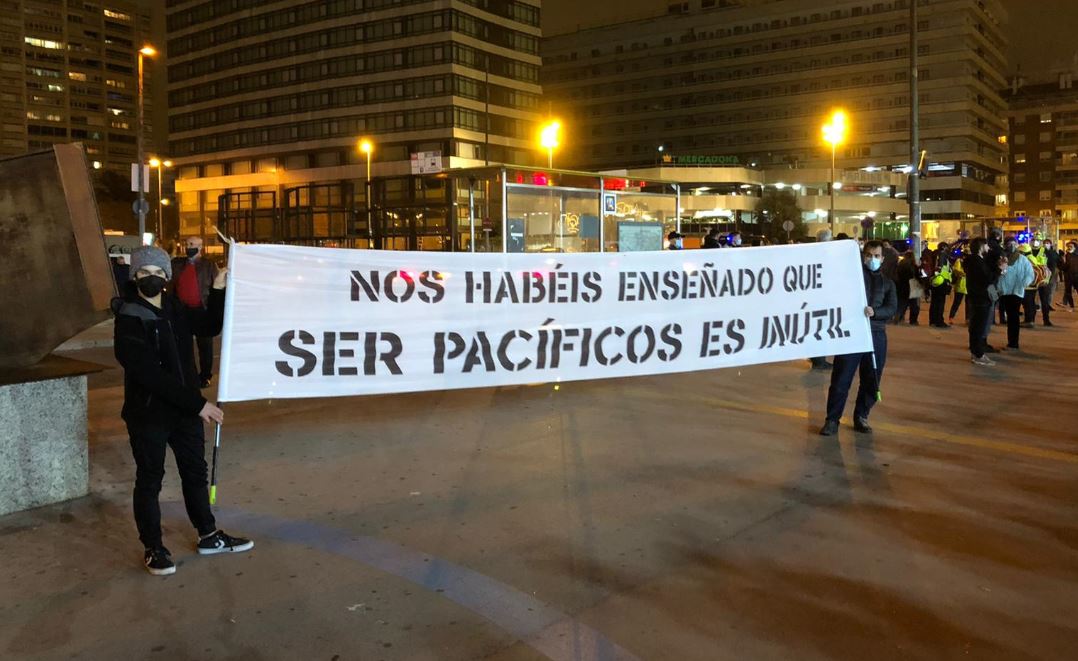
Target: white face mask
point(874, 263)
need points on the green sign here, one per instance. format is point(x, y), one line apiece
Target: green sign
point(700, 160)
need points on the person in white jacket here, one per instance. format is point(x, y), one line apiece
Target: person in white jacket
point(1012, 289)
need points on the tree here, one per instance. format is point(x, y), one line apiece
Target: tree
point(775, 208)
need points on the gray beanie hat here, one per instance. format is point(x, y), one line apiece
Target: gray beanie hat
point(150, 256)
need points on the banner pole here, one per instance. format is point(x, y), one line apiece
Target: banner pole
point(213, 466)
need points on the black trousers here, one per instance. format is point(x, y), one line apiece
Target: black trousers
point(1068, 291)
point(1029, 306)
point(937, 304)
point(842, 374)
point(148, 444)
point(205, 357)
point(979, 314)
point(1013, 305)
point(914, 306)
point(1044, 294)
point(958, 298)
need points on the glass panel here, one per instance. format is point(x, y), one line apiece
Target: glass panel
point(552, 219)
point(629, 207)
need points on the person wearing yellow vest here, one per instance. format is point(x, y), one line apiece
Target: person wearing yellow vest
point(941, 286)
point(959, 279)
point(1038, 256)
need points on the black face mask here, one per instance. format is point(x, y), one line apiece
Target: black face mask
point(191, 252)
point(150, 285)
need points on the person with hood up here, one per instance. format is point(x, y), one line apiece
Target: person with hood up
point(1018, 275)
point(154, 343)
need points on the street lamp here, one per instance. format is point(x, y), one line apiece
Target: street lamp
point(157, 164)
point(144, 52)
point(549, 139)
point(834, 133)
point(367, 147)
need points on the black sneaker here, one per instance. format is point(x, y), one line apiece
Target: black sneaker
point(159, 562)
point(219, 542)
point(860, 425)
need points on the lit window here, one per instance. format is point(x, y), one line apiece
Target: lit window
point(1002, 139)
point(1046, 118)
point(75, 75)
point(43, 43)
point(1019, 158)
point(115, 83)
point(55, 88)
point(119, 16)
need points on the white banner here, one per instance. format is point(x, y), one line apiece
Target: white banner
point(325, 322)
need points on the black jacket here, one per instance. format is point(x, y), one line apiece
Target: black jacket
point(978, 278)
point(995, 253)
point(155, 348)
point(883, 300)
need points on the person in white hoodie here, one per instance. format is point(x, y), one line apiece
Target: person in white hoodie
point(1012, 288)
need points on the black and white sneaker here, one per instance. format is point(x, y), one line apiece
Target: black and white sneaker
point(219, 542)
point(159, 562)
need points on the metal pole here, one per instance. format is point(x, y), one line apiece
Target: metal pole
point(370, 189)
point(160, 220)
point(141, 159)
point(913, 191)
point(471, 213)
point(831, 216)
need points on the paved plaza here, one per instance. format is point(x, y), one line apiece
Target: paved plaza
point(691, 516)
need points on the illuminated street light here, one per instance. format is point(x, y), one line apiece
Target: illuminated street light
point(158, 164)
point(367, 147)
point(144, 52)
point(549, 139)
point(834, 134)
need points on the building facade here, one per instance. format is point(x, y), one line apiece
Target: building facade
point(68, 73)
point(269, 99)
point(1042, 138)
point(751, 83)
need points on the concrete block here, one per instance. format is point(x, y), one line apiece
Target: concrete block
point(43, 443)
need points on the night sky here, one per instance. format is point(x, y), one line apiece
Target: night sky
point(1042, 32)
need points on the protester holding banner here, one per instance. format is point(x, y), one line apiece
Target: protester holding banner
point(162, 403)
point(882, 305)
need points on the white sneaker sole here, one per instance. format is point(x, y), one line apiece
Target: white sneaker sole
point(227, 549)
point(162, 572)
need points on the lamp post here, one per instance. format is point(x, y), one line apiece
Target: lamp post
point(367, 147)
point(158, 164)
point(834, 133)
point(549, 139)
point(144, 52)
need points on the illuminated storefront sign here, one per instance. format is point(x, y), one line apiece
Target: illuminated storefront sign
point(700, 160)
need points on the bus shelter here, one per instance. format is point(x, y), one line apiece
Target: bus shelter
point(521, 209)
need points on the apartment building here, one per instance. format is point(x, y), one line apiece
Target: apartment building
point(1042, 139)
point(752, 82)
point(268, 100)
point(68, 74)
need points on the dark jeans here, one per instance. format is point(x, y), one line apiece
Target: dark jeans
point(1068, 291)
point(914, 305)
point(1044, 293)
point(937, 304)
point(978, 313)
point(958, 298)
point(205, 357)
point(148, 443)
point(846, 366)
point(1029, 306)
point(1013, 305)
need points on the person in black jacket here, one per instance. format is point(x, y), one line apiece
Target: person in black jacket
point(162, 404)
point(882, 305)
point(980, 281)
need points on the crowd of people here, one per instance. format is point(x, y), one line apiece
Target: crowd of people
point(989, 280)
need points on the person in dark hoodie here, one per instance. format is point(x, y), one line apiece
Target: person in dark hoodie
point(882, 306)
point(162, 403)
point(981, 294)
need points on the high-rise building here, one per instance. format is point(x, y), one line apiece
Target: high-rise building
point(68, 74)
point(753, 81)
point(269, 99)
point(1043, 140)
